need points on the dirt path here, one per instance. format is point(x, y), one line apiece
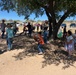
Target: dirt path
point(32, 63)
point(30, 66)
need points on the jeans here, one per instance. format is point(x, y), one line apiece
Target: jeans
point(9, 43)
point(30, 32)
point(14, 31)
point(45, 40)
point(2, 34)
point(40, 48)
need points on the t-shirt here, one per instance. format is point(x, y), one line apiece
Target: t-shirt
point(69, 38)
point(29, 26)
point(9, 32)
point(41, 41)
point(3, 25)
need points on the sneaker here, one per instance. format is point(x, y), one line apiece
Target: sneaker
point(8, 49)
point(40, 53)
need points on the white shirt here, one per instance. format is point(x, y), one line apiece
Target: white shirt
point(69, 38)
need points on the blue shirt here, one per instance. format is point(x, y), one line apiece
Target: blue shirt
point(45, 34)
point(9, 32)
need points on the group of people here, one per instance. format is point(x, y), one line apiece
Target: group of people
point(40, 37)
point(10, 33)
point(69, 41)
point(28, 29)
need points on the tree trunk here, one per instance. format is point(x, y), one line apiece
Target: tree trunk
point(50, 28)
point(55, 30)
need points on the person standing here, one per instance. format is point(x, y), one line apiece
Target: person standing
point(29, 29)
point(45, 35)
point(3, 25)
point(64, 32)
point(10, 35)
point(15, 28)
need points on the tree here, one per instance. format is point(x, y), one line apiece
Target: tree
point(56, 10)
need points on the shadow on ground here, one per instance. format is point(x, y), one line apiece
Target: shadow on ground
point(28, 45)
point(57, 57)
point(53, 54)
point(3, 46)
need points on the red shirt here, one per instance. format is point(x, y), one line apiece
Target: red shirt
point(40, 41)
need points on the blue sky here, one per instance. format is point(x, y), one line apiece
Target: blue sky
point(14, 16)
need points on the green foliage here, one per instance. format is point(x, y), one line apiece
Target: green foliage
point(56, 10)
point(27, 7)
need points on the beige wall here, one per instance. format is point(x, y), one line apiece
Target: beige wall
point(68, 23)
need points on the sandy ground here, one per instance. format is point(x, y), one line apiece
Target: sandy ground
point(30, 65)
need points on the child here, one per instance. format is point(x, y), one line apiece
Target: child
point(69, 44)
point(9, 33)
point(45, 35)
point(40, 41)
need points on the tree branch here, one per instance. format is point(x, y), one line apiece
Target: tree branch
point(48, 15)
point(64, 17)
point(52, 12)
